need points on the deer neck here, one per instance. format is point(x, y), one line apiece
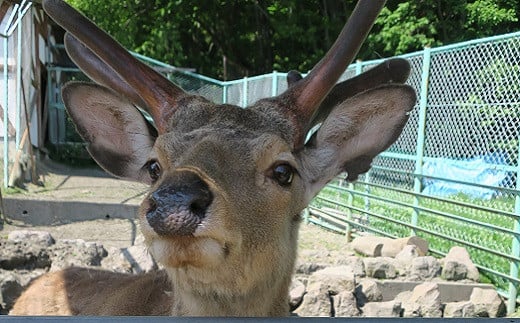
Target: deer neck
point(254, 289)
point(262, 301)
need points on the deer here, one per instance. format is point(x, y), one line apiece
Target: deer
point(227, 185)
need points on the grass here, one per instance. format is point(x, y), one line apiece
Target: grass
point(393, 205)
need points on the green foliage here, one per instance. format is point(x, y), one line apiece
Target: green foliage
point(233, 38)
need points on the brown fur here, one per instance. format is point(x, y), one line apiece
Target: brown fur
point(148, 294)
point(238, 257)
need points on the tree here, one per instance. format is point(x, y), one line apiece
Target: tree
point(234, 38)
point(409, 26)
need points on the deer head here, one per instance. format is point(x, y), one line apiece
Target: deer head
point(227, 184)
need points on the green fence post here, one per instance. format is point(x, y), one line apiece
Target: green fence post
point(18, 118)
point(224, 93)
point(244, 92)
point(359, 70)
point(350, 204)
point(359, 66)
point(6, 113)
point(515, 248)
point(274, 84)
point(421, 133)
point(350, 197)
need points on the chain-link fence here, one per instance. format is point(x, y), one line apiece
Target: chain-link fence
point(451, 177)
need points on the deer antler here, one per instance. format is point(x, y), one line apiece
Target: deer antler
point(305, 96)
point(161, 99)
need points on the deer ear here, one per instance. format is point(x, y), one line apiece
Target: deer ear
point(118, 136)
point(355, 131)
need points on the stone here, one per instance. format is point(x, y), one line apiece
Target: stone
point(115, 261)
point(454, 270)
point(308, 268)
point(367, 291)
point(369, 246)
point(296, 293)
point(321, 256)
point(457, 265)
point(425, 301)
point(382, 309)
point(424, 268)
point(12, 283)
point(356, 265)
point(374, 246)
point(38, 237)
point(321, 287)
point(140, 259)
point(316, 302)
point(403, 297)
point(333, 279)
point(459, 309)
point(345, 305)
point(487, 303)
point(10, 289)
point(380, 267)
point(76, 252)
point(400, 243)
point(404, 258)
point(23, 255)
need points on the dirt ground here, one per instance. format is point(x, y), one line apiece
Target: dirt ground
point(92, 184)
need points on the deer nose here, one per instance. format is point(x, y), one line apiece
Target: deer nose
point(179, 205)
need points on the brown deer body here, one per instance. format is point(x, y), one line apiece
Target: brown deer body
point(227, 184)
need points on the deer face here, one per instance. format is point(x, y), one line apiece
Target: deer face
point(225, 195)
point(228, 184)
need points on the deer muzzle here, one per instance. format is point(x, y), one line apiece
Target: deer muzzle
point(179, 205)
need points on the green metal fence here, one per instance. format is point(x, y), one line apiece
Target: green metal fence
point(468, 107)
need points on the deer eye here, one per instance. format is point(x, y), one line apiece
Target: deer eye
point(154, 169)
point(283, 174)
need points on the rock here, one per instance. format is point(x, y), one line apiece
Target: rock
point(356, 265)
point(425, 301)
point(424, 268)
point(316, 302)
point(374, 246)
point(334, 279)
point(487, 303)
point(380, 267)
point(309, 268)
point(459, 309)
point(76, 252)
point(404, 259)
point(454, 270)
point(115, 261)
point(23, 255)
point(399, 244)
point(382, 309)
point(403, 297)
point(322, 285)
point(38, 237)
point(457, 265)
point(345, 305)
point(369, 246)
point(140, 259)
point(296, 293)
point(12, 283)
point(368, 291)
point(315, 256)
point(10, 289)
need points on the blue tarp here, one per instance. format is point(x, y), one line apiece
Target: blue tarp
point(479, 170)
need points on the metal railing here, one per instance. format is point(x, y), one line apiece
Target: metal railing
point(466, 119)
